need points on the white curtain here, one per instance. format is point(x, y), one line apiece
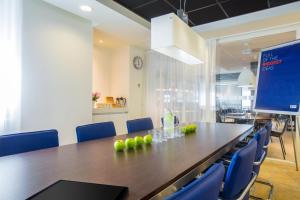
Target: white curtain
point(186, 90)
point(10, 65)
point(209, 81)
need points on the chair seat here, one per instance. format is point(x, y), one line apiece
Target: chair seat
point(276, 134)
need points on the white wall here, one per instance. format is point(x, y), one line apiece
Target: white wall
point(120, 72)
point(56, 71)
point(136, 102)
point(102, 67)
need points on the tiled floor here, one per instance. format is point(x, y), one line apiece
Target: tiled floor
point(285, 178)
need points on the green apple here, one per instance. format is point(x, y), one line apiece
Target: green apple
point(148, 139)
point(191, 128)
point(119, 145)
point(184, 129)
point(130, 143)
point(138, 140)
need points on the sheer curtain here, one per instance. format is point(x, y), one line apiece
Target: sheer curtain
point(10, 65)
point(186, 90)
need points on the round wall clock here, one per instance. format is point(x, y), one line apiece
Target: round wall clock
point(138, 62)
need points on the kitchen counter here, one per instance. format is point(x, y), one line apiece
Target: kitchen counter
point(109, 111)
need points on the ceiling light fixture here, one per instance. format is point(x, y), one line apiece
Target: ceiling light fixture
point(174, 38)
point(246, 78)
point(86, 8)
point(100, 41)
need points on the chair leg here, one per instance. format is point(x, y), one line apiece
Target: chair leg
point(267, 183)
point(283, 145)
point(282, 148)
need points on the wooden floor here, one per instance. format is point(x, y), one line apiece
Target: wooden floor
point(285, 178)
point(274, 150)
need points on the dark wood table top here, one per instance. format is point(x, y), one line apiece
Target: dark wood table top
point(145, 171)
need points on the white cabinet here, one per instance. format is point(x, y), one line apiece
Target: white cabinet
point(118, 116)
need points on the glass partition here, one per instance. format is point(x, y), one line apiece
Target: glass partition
point(236, 69)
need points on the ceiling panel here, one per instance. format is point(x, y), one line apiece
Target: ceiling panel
point(200, 11)
point(280, 2)
point(131, 4)
point(154, 9)
point(239, 7)
point(212, 13)
point(192, 4)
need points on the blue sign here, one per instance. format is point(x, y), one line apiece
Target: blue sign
point(278, 80)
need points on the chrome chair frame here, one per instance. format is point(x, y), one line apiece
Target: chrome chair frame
point(262, 181)
point(247, 189)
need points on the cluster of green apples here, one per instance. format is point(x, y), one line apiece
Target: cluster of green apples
point(191, 128)
point(131, 143)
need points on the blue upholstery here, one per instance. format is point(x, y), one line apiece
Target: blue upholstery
point(95, 131)
point(268, 126)
point(207, 187)
point(239, 172)
point(137, 125)
point(30, 141)
point(260, 137)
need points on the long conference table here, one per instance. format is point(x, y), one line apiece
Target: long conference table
point(150, 172)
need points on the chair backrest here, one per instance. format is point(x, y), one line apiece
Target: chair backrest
point(29, 141)
point(268, 127)
point(136, 125)
point(207, 187)
point(260, 138)
point(95, 131)
point(239, 171)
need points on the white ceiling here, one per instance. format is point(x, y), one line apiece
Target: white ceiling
point(102, 39)
point(108, 21)
point(234, 56)
point(273, 17)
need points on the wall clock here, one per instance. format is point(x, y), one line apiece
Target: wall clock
point(138, 62)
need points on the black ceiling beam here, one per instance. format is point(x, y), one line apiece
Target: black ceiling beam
point(269, 3)
point(144, 4)
point(210, 5)
point(222, 8)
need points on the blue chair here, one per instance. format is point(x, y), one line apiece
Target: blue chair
point(268, 127)
point(29, 141)
point(240, 176)
point(262, 139)
point(137, 125)
point(207, 187)
point(95, 131)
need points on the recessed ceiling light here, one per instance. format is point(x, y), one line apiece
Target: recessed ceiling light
point(86, 8)
point(100, 41)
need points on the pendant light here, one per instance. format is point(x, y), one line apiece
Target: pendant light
point(246, 78)
point(171, 36)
